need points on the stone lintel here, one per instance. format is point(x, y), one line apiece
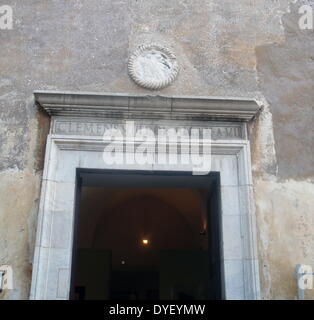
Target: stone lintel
point(76, 104)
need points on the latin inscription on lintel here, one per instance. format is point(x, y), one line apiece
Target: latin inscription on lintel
point(90, 128)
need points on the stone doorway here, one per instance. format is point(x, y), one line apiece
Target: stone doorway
point(78, 121)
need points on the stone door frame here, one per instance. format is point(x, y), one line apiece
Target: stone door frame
point(71, 144)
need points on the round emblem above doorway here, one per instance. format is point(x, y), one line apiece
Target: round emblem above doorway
point(153, 66)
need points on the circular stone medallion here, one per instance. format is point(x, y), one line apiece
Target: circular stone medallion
point(153, 67)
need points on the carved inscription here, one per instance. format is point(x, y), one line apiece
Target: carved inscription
point(64, 127)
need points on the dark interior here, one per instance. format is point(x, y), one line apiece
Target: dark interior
point(146, 236)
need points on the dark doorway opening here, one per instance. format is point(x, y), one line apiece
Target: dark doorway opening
point(146, 235)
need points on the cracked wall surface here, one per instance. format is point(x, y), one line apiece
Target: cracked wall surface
point(248, 48)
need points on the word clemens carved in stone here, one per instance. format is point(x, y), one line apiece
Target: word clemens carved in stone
point(153, 67)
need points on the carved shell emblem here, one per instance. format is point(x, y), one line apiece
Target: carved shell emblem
point(153, 67)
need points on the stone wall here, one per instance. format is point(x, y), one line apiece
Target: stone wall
point(284, 186)
point(248, 48)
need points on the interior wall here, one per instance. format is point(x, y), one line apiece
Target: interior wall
point(114, 221)
point(93, 269)
point(121, 218)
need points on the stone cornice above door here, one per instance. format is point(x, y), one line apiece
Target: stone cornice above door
point(78, 104)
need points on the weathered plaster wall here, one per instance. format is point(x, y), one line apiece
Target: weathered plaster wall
point(250, 48)
point(285, 191)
